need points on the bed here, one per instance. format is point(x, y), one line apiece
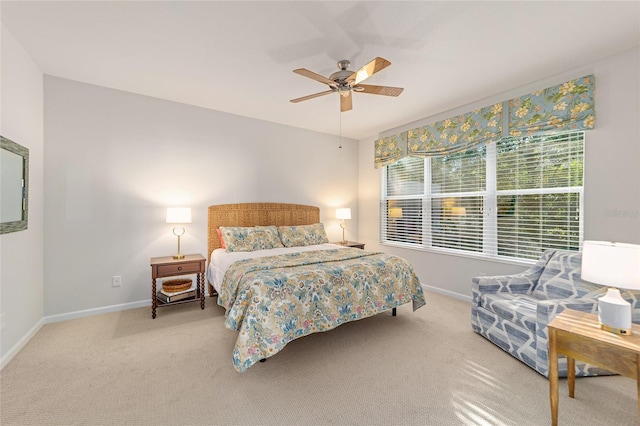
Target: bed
point(294, 283)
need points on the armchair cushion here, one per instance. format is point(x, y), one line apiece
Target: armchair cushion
point(520, 310)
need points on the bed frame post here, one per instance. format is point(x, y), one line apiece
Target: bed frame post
point(393, 312)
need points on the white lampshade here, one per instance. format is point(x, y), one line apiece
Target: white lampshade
point(611, 264)
point(343, 214)
point(178, 215)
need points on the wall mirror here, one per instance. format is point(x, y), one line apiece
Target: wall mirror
point(14, 186)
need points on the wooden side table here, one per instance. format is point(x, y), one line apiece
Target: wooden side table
point(351, 244)
point(578, 336)
point(167, 266)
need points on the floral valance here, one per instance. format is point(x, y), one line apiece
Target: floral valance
point(456, 134)
point(390, 149)
point(566, 107)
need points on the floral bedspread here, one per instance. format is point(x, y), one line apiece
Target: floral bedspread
point(274, 300)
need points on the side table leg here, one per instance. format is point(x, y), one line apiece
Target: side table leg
point(571, 375)
point(553, 376)
point(153, 298)
point(638, 382)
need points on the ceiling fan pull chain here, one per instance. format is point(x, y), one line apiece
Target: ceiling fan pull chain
point(340, 120)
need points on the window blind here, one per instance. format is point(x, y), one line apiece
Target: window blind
point(539, 192)
point(512, 198)
point(458, 184)
point(402, 208)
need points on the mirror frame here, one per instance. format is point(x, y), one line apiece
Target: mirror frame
point(18, 225)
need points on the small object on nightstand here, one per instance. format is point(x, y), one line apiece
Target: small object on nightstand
point(351, 244)
point(190, 293)
point(179, 285)
point(167, 266)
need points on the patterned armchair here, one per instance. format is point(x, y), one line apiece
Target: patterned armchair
point(513, 311)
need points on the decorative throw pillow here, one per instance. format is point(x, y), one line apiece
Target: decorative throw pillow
point(222, 244)
point(303, 235)
point(239, 238)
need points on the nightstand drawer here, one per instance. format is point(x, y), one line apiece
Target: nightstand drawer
point(182, 268)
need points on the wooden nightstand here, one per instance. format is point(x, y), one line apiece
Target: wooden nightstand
point(351, 244)
point(167, 266)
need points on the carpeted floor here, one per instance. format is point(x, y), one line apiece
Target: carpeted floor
point(419, 368)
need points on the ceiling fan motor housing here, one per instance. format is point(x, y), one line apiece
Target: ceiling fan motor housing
point(340, 77)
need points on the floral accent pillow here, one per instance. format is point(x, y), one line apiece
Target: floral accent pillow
point(302, 235)
point(239, 238)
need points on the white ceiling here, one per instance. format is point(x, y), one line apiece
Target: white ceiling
point(238, 56)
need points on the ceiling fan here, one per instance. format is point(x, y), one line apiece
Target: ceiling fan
point(345, 81)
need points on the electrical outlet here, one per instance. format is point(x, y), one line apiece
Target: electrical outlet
point(116, 280)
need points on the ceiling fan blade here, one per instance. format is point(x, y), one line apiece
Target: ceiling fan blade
point(378, 64)
point(315, 95)
point(378, 90)
point(317, 77)
point(346, 102)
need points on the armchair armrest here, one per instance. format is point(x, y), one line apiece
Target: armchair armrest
point(548, 309)
point(516, 284)
point(522, 283)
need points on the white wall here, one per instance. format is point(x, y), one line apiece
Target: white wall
point(116, 160)
point(21, 258)
point(612, 174)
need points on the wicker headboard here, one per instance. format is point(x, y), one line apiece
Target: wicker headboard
point(252, 214)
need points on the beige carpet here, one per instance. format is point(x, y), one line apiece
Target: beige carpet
point(423, 368)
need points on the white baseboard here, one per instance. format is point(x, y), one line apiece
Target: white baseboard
point(139, 304)
point(21, 343)
point(64, 317)
point(447, 293)
point(96, 311)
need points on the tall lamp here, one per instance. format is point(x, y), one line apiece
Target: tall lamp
point(616, 265)
point(343, 214)
point(178, 216)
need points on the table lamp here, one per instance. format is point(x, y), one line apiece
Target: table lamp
point(178, 216)
point(394, 212)
point(616, 265)
point(343, 214)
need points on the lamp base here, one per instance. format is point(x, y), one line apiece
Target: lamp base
point(614, 313)
point(620, 331)
point(343, 225)
point(178, 256)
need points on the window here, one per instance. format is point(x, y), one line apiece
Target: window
point(513, 198)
